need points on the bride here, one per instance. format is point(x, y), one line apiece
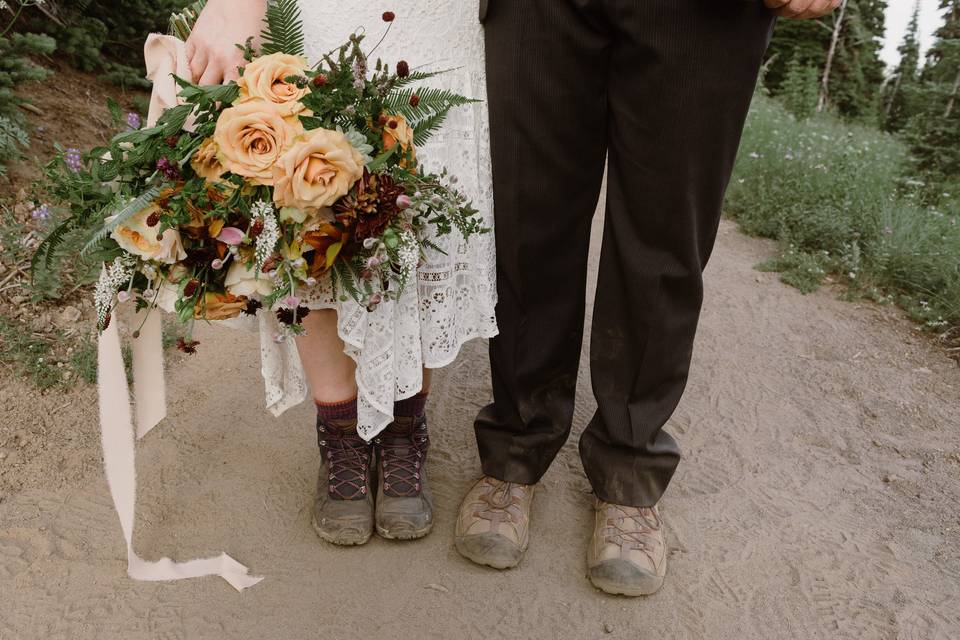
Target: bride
point(368, 370)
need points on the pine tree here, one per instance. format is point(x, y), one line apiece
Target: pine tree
point(934, 131)
point(903, 83)
point(800, 89)
point(854, 72)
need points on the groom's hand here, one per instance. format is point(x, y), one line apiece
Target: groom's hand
point(802, 9)
point(212, 46)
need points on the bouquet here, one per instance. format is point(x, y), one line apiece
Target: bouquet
point(248, 193)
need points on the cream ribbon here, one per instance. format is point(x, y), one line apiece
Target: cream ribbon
point(165, 55)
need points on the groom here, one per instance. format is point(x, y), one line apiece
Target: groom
point(656, 90)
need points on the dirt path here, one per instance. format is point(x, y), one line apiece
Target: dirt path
point(819, 498)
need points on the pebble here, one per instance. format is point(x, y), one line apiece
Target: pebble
point(890, 478)
point(437, 587)
point(607, 628)
point(70, 315)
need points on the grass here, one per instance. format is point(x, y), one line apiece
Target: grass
point(834, 195)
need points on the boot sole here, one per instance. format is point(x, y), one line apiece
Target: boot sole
point(405, 534)
point(341, 541)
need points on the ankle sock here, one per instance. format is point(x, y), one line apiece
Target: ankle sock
point(337, 411)
point(411, 407)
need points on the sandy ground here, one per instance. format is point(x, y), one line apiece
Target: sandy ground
point(819, 498)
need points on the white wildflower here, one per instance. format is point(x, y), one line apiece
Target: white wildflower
point(269, 237)
point(112, 278)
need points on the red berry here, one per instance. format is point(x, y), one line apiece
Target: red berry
point(382, 119)
point(394, 124)
point(389, 16)
point(320, 80)
point(414, 100)
point(403, 69)
point(153, 219)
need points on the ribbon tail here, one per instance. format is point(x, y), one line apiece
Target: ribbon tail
point(119, 459)
point(149, 385)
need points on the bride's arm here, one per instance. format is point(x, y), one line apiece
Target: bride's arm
point(223, 24)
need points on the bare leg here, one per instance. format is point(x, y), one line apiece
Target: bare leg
point(330, 372)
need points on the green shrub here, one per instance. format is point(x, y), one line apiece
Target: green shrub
point(16, 68)
point(832, 193)
point(105, 36)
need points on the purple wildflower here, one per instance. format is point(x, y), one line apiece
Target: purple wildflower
point(74, 159)
point(41, 212)
point(133, 120)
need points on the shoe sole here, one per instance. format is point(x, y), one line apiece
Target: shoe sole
point(501, 561)
point(646, 587)
point(340, 541)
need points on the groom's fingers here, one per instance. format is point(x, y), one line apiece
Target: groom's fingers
point(818, 8)
point(794, 8)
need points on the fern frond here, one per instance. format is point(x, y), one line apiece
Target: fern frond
point(425, 128)
point(431, 101)
point(283, 32)
point(133, 207)
point(419, 76)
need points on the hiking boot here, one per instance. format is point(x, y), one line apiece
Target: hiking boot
point(493, 527)
point(404, 508)
point(628, 554)
point(343, 511)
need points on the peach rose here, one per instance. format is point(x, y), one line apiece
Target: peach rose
point(134, 236)
point(265, 79)
point(398, 131)
point(219, 306)
point(251, 138)
point(319, 169)
point(206, 163)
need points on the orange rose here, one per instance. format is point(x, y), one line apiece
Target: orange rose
point(319, 169)
point(398, 131)
point(135, 236)
point(265, 79)
point(251, 138)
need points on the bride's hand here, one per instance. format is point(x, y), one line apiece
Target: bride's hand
point(212, 46)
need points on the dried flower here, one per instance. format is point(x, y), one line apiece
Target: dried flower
point(319, 80)
point(291, 317)
point(191, 288)
point(252, 307)
point(187, 346)
point(403, 69)
point(389, 16)
point(414, 101)
point(168, 168)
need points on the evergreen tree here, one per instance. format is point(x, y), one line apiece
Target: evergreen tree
point(903, 82)
point(800, 89)
point(855, 70)
point(934, 131)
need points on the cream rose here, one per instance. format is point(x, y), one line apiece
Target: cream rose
point(206, 163)
point(241, 281)
point(319, 169)
point(265, 79)
point(134, 236)
point(251, 137)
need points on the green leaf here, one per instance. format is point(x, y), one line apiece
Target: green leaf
point(381, 161)
point(115, 112)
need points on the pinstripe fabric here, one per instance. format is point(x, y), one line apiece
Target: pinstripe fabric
point(660, 90)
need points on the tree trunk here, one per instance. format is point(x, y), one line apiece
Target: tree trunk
point(831, 54)
point(953, 97)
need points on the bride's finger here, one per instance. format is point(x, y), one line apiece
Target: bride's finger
point(198, 64)
point(231, 73)
point(213, 74)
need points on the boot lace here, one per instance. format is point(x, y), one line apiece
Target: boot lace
point(349, 462)
point(401, 460)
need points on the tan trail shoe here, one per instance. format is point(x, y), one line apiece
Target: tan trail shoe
point(493, 527)
point(628, 554)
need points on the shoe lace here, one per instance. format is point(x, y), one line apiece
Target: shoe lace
point(497, 501)
point(401, 460)
point(631, 526)
point(349, 462)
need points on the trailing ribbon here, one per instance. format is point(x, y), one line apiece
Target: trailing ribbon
point(165, 55)
point(119, 451)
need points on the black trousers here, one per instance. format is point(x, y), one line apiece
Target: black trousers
point(658, 90)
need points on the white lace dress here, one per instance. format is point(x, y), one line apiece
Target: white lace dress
point(454, 297)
